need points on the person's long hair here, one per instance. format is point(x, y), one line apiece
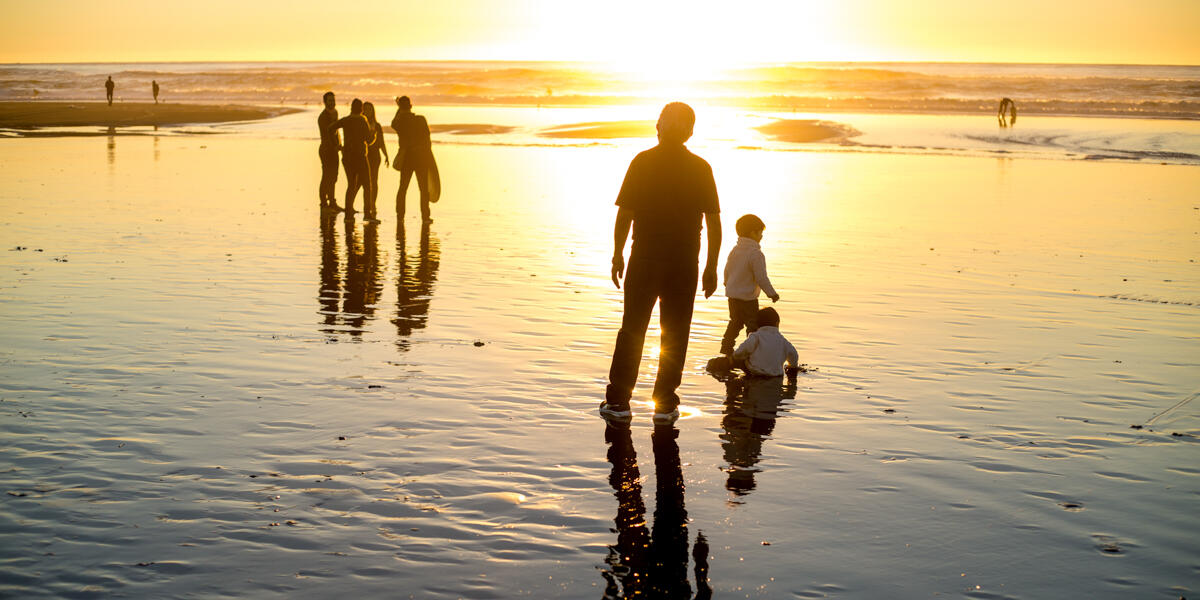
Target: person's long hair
point(369, 112)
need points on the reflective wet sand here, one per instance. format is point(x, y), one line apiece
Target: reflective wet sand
point(207, 389)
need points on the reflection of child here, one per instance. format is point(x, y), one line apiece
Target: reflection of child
point(745, 275)
point(765, 350)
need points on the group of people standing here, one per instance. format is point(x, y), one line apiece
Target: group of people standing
point(358, 137)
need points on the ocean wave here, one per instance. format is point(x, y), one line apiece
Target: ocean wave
point(1084, 90)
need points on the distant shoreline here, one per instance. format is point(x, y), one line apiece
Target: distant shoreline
point(30, 116)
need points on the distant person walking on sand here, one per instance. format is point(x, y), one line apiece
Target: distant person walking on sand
point(666, 193)
point(414, 155)
point(1007, 105)
point(373, 152)
point(745, 277)
point(154, 87)
point(358, 138)
point(109, 86)
point(331, 143)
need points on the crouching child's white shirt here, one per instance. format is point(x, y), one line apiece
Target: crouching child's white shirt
point(765, 351)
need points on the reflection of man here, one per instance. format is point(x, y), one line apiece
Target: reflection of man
point(359, 136)
point(414, 286)
point(413, 154)
point(666, 193)
point(109, 86)
point(362, 286)
point(651, 562)
point(330, 144)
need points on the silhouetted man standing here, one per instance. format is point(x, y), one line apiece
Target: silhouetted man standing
point(359, 136)
point(109, 86)
point(666, 193)
point(331, 142)
point(154, 88)
point(414, 155)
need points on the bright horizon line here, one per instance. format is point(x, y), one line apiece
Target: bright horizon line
point(598, 62)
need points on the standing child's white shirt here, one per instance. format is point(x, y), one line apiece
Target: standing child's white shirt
point(746, 271)
point(765, 351)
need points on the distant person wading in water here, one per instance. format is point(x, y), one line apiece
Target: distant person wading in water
point(414, 155)
point(109, 86)
point(154, 88)
point(666, 194)
point(1007, 105)
point(331, 143)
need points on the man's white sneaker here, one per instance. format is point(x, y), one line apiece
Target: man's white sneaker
point(614, 413)
point(666, 418)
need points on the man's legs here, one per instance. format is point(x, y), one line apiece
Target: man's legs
point(422, 173)
point(356, 175)
point(677, 296)
point(406, 173)
point(640, 295)
point(329, 175)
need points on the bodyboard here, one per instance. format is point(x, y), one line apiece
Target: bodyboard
point(433, 180)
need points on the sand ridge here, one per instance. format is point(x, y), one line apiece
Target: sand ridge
point(33, 115)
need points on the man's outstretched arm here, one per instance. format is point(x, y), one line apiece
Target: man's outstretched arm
point(712, 223)
point(620, 234)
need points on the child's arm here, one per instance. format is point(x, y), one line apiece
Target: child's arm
point(747, 348)
point(758, 264)
point(793, 358)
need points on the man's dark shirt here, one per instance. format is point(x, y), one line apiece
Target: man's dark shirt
point(412, 130)
point(325, 123)
point(358, 136)
point(668, 189)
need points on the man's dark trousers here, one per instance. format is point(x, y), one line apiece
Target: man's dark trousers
point(673, 286)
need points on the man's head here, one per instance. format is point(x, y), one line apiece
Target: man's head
point(767, 317)
point(329, 100)
point(356, 107)
point(750, 226)
point(404, 103)
point(675, 123)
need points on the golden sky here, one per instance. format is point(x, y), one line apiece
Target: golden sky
point(697, 33)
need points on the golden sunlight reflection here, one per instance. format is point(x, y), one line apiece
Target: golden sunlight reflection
point(647, 407)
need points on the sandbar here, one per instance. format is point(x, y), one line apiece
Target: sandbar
point(800, 131)
point(602, 130)
point(34, 115)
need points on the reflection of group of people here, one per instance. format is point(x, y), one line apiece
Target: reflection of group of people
point(348, 295)
point(110, 86)
point(358, 137)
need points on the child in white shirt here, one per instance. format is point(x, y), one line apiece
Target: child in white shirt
point(765, 350)
point(745, 276)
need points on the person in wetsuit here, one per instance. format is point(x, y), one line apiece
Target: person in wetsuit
point(331, 143)
point(109, 86)
point(358, 137)
point(373, 152)
point(414, 155)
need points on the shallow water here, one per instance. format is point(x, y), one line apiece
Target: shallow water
point(186, 343)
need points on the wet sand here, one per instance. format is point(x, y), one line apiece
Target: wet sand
point(208, 390)
point(34, 115)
